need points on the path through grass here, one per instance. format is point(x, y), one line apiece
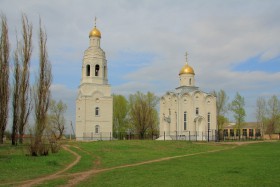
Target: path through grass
point(247, 165)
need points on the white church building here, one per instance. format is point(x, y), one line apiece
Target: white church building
point(94, 103)
point(187, 113)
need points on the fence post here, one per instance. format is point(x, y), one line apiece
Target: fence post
point(164, 136)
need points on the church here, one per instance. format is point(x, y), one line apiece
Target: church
point(187, 113)
point(94, 103)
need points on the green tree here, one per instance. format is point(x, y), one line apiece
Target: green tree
point(120, 112)
point(222, 108)
point(56, 119)
point(273, 115)
point(261, 114)
point(143, 114)
point(237, 107)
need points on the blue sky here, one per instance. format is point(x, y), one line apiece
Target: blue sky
point(233, 45)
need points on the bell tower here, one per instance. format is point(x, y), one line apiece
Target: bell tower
point(94, 104)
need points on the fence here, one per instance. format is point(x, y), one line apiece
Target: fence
point(211, 135)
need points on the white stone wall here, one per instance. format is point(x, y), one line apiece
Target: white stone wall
point(94, 91)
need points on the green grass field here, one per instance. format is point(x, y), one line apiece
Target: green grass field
point(246, 165)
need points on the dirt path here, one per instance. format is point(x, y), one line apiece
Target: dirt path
point(55, 175)
point(80, 176)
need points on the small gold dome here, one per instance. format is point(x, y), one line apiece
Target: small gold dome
point(95, 32)
point(186, 69)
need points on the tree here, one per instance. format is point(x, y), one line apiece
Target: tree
point(120, 112)
point(273, 115)
point(15, 102)
point(21, 94)
point(237, 107)
point(261, 112)
point(143, 113)
point(4, 76)
point(221, 104)
point(25, 92)
point(56, 119)
point(41, 95)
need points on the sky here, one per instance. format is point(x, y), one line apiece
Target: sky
point(232, 45)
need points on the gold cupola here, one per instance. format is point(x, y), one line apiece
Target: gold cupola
point(95, 32)
point(186, 69)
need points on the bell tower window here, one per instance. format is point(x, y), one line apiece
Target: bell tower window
point(96, 70)
point(88, 70)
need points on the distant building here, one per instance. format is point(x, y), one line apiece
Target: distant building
point(94, 103)
point(248, 130)
point(187, 112)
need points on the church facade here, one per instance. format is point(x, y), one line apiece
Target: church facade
point(187, 112)
point(94, 103)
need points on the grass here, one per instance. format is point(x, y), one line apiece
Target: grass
point(248, 165)
point(15, 165)
point(116, 153)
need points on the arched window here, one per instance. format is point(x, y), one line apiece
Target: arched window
point(96, 129)
point(185, 120)
point(96, 111)
point(190, 81)
point(96, 70)
point(88, 70)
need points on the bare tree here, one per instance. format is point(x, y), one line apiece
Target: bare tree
point(4, 76)
point(16, 94)
point(261, 112)
point(143, 114)
point(25, 92)
point(56, 119)
point(41, 93)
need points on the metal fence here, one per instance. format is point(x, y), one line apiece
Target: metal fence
point(211, 135)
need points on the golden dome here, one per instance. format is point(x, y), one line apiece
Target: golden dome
point(186, 69)
point(95, 32)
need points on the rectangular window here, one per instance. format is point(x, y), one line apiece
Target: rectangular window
point(244, 132)
point(197, 111)
point(251, 132)
point(231, 132)
point(237, 132)
point(225, 132)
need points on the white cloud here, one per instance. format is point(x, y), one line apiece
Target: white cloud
point(217, 34)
